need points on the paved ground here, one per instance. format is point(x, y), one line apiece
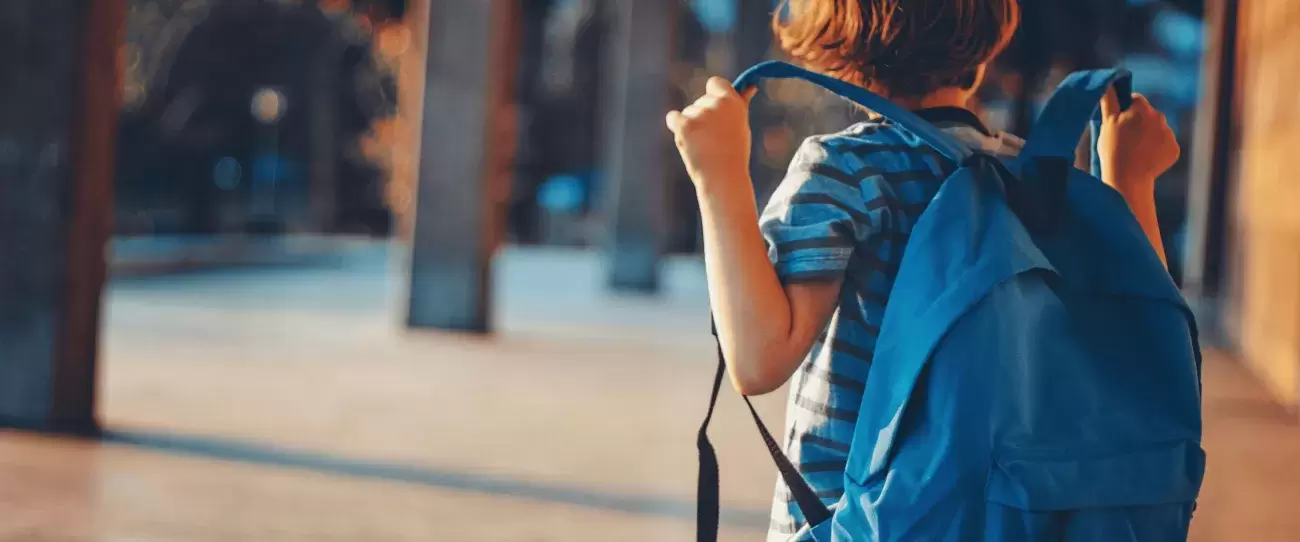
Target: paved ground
point(287, 405)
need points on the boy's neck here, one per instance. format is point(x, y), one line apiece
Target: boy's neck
point(944, 97)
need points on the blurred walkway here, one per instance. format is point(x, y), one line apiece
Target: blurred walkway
point(287, 405)
point(581, 399)
point(154, 255)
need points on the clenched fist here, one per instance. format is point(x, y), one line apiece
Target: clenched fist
point(713, 136)
point(1136, 145)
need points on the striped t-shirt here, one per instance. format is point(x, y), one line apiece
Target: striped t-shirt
point(845, 209)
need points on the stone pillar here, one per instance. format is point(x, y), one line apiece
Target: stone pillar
point(58, 121)
point(465, 162)
point(639, 70)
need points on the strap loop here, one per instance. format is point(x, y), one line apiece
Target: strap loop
point(1073, 106)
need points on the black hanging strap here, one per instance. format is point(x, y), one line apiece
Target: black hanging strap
point(707, 503)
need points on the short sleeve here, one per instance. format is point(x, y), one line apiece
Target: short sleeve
point(823, 209)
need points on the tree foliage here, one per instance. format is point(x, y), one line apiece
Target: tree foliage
point(193, 68)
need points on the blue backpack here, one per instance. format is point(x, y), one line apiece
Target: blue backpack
point(1037, 375)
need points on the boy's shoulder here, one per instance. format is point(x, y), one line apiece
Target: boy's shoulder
point(877, 144)
point(883, 145)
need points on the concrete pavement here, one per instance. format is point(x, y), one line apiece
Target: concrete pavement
point(288, 405)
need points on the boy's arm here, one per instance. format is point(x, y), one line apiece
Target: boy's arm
point(1143, 204)
point(1136, 146)
point(765, 329)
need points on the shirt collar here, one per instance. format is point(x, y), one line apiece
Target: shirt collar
point(953, 115)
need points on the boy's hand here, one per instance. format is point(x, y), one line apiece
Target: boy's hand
point(713, 136)
point(1136, 145)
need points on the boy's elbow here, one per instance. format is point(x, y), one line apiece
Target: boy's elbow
point(754, 387)
point(766, 376)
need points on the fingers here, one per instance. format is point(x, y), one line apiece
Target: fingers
point(1139, 108)
point(718, 92)
point(1143, 108)
point(675, 120)
point(1141, 104)
point(717, 86)
point(722, 88)
point(1110, 104)
point(693, 111)
point(704, 104)
point(709, 101)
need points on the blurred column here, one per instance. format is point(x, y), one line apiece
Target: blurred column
point(323, 102)
point(465, 159)
point(639, 64)
point(405, 166)
point(524, 213)
point(753, 42)
point(58, 121)
point(1208, 194)
point(1031, 54)
point(753, 34)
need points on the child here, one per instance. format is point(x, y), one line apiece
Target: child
point(799, 293)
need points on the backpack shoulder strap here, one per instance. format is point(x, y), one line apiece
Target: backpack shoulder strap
point(1075, 103)
point(773, 69)
point(708, 500)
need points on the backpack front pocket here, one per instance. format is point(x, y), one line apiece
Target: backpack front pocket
point(1140, 496)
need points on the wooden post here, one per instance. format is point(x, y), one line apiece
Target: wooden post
point(639, 64)
point(1208, 191)
point(465, 162)
point(58, 121)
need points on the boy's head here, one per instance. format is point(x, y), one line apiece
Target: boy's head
point(903, 49)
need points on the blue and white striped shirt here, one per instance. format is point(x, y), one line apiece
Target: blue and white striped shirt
point(845, 209)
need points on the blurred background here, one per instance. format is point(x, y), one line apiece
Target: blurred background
point(384, 270)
